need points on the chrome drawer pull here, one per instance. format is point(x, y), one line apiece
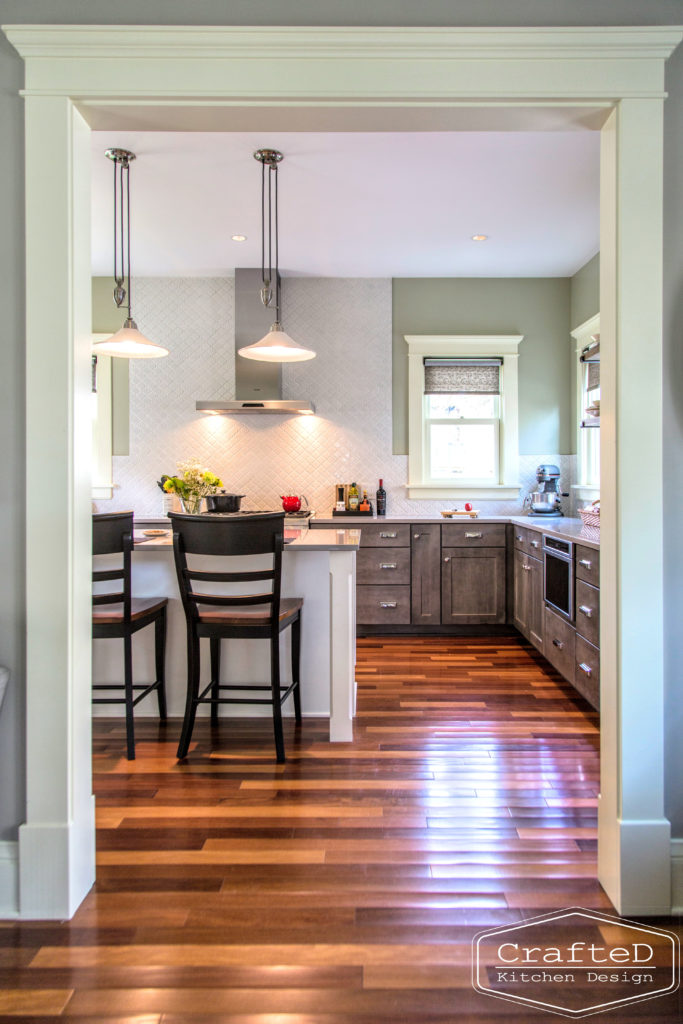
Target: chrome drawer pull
point(473, 536)
point(585, 563)
point(388, 604)
point(585, 610)
point(519, 537)
point(388, 565)
point(534, 543)
point(558, 644)
point(418, 535)
point(387, 536)
point(527, 568)
point(586, 668)
point(447, 558)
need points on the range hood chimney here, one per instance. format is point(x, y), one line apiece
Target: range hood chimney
point(258, 384)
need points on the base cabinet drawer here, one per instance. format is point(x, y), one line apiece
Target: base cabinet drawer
point(587, 617)
point(384, 535)
point(473, 535)
point(559, 642)
point(383, 606)
point(587, 671)
point(383, 566)
point(528, 541)
point(588, 565)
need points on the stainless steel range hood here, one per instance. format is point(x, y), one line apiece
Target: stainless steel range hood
point(258, 384)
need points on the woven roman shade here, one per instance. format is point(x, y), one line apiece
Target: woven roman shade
point(462, 376)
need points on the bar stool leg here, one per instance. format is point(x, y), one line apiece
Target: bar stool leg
point(128, 694)
point(192, 693)
point(215, 648)
point(296, 662)
point(275, 689)
point(160, 657)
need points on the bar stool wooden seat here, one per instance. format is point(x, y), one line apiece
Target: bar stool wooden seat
point(119, 615)
point(219, 616)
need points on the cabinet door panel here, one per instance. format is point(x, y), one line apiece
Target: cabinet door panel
point(521, 592)
point(536, 605)
point(472, 585)
point(426, 559)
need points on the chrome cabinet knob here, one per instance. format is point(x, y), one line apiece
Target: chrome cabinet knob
point(585, 563)
point(558, 644)
point(585, 610)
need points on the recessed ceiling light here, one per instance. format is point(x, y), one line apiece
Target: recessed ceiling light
point(239, 238)
point(479, 238)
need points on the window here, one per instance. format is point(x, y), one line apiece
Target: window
point(587, 338)
point(463, 417)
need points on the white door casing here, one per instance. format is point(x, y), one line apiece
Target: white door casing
point(119, 77)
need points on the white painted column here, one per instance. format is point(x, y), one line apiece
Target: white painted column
point(343, 645)
point(56, 844)
point(634, 835)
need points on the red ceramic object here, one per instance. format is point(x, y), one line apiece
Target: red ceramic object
point(291, 502)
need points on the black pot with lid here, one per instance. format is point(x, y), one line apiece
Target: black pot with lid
point(223, 502)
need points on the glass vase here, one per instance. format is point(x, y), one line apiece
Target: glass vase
point(192, 505)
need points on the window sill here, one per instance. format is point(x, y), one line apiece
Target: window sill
point(495, 492)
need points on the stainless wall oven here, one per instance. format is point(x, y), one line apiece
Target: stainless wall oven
point(558, 576)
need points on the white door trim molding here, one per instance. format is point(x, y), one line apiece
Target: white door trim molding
point(119, 70)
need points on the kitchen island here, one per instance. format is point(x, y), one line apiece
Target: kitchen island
point(320, 567)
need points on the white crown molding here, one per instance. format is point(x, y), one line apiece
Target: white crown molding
point(73, 41)
point(322, 65)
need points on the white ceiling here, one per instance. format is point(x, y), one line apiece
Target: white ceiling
point(357, 204)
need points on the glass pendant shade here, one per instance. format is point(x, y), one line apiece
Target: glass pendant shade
point(129, 343)
point(277, 347)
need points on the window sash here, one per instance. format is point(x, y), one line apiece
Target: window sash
point(493, 421)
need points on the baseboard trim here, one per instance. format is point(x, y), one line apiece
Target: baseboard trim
point(9, 880)
point(676, 876)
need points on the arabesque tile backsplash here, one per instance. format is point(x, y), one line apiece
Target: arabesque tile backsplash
point(348, 323)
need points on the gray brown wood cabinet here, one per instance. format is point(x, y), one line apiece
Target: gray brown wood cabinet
point(425, 545)
point(527, 603)
point(455, 574)
point(586, 677)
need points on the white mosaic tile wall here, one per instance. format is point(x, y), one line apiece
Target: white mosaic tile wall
point(348, 323)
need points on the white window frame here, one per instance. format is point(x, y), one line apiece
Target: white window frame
point(503, 346)
point(587, 440)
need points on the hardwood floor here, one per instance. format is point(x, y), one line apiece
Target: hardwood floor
point(345, 886)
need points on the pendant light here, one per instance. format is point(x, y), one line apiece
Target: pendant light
point(276, 346)
point(127, 343)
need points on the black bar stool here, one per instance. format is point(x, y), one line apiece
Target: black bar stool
point(119, 615)
point(219, 617)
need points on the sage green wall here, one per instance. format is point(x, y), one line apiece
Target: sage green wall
point(584, 301)
point(106, 318)
point(538, 308)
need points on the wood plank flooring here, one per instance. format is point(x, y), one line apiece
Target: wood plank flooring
point(345, 886)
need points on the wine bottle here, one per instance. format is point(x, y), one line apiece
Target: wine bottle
point(354, 498)
point(381, 497)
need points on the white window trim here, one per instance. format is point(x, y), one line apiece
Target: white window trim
point(582, 336)
point(504, 346)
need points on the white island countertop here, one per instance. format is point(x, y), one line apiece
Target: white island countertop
point(345, 539)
